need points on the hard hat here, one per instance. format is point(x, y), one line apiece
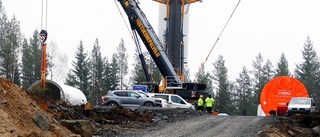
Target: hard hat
point(201, 96)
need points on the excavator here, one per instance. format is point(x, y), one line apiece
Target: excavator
point(169, 57)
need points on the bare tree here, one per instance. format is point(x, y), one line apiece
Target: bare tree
point(57, 63)
point(122, 61)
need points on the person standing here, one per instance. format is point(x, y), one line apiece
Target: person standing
point(200, 103)
point(209, 104)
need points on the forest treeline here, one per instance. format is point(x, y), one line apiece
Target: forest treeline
point(95, 74)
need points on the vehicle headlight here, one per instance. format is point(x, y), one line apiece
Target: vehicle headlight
point(159, 101)
point(289, 108)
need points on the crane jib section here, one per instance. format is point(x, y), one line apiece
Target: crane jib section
point(148, 38)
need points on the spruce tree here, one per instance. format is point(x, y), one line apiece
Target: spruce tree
point(79, 76)
point(114, 73)
point(258, 81)
point(97, 68)
point(26, 64)
point(245, 94)
point(308, 71)
point(106, 79)
point(282, 67)
point(36, 55)
point(267, 73)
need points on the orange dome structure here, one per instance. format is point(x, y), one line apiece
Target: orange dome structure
point(278, 92)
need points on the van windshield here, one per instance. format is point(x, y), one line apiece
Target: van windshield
point(299, 101)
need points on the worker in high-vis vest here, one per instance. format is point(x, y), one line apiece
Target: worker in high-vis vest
point(200, 103)
point(209, 104)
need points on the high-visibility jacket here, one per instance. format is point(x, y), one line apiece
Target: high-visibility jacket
point(209, 102)
point(200, 102)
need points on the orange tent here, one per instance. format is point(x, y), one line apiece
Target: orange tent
point(278, 91)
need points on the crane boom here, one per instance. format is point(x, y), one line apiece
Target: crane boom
point(141, 25)
point(173, 82)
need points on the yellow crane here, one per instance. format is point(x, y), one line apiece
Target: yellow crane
point(174, 44)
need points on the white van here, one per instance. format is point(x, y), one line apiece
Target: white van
point(300, 105)
point(173, 100)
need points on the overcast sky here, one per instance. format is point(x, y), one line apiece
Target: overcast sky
point(267, 26)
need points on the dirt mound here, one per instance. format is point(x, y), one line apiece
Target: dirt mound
point(33, 114)
point(296, 125)
point(21, 115)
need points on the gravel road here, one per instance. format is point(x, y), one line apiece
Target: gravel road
point(210, 126)
point(192, 123)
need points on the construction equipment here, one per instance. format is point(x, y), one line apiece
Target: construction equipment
point(171, 70)
point(43, 38)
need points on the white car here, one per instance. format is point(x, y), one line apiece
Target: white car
point(174, 100)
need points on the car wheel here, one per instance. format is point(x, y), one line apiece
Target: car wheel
point(112, 104)
point(148, 104)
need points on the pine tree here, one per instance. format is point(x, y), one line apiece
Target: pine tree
point(308, 71)
point(222, 86)
point(282, 67)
